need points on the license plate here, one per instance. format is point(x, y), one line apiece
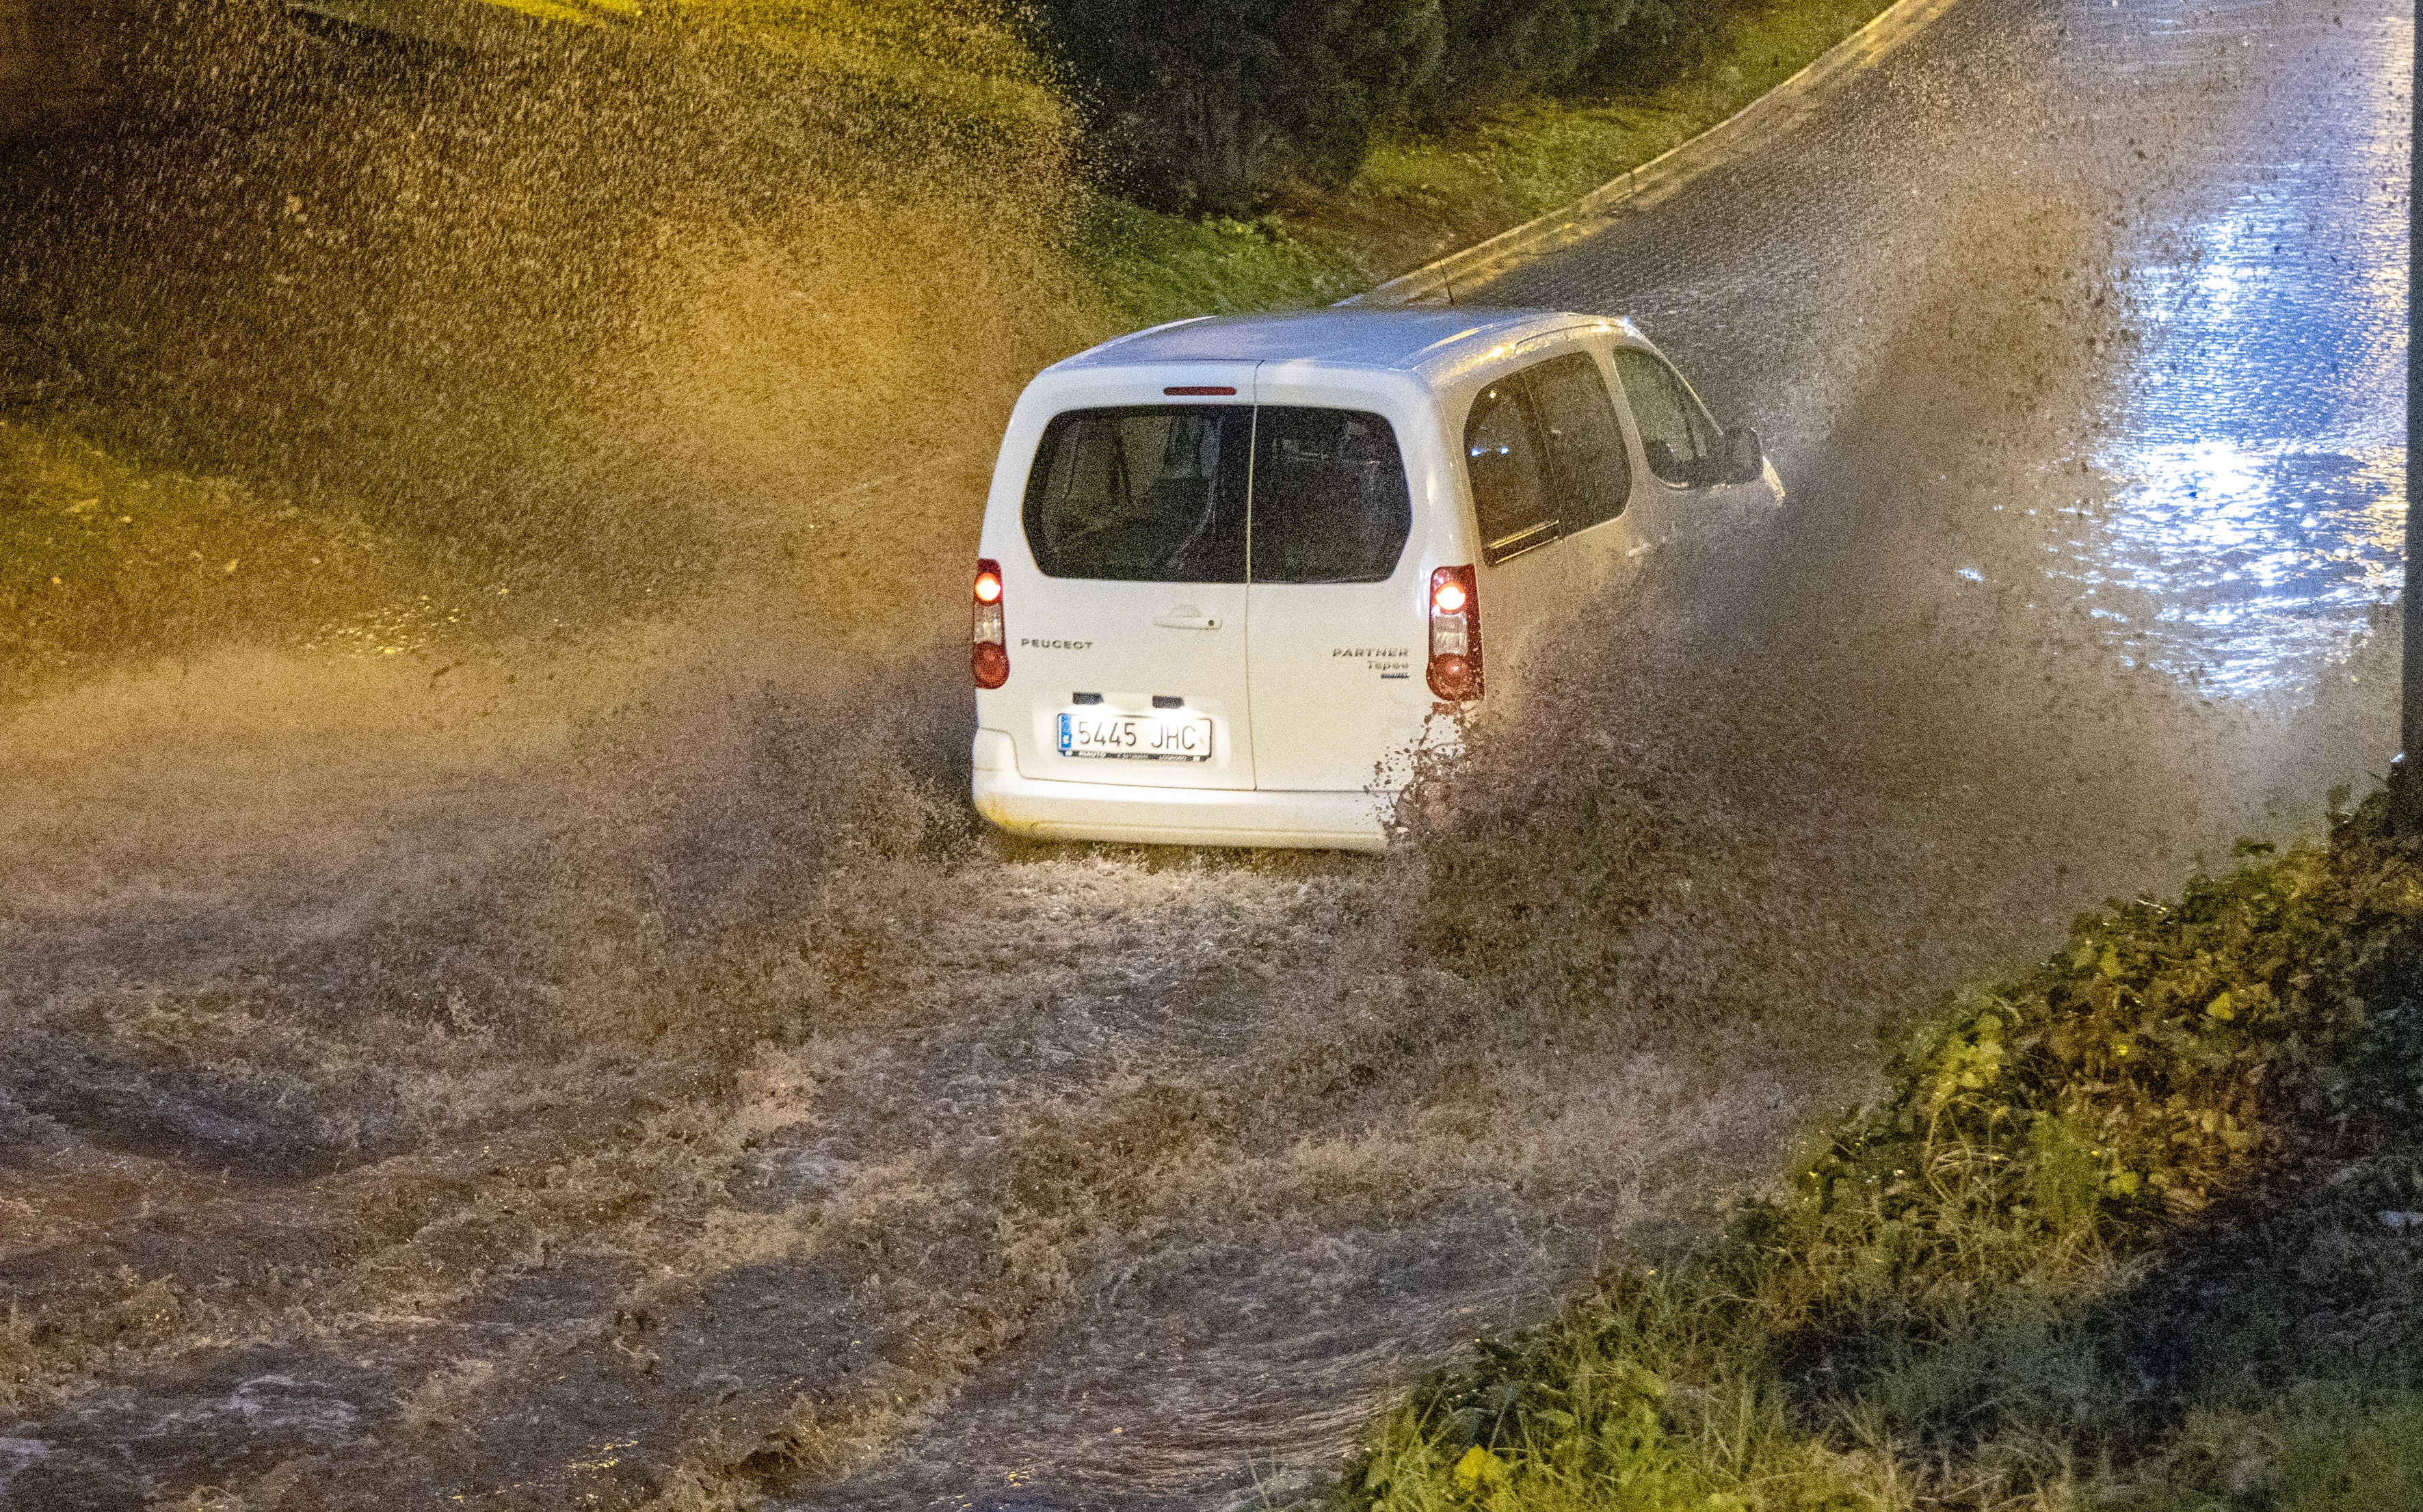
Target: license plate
point(1144, 737)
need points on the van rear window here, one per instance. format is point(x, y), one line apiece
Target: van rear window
point(1330, 503)
point(1141, 495)
point(1160, 493)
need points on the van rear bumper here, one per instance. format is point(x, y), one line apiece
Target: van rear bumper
point(1168, 816)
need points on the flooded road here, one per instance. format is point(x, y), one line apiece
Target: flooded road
point(620, 1072)
point(2133, 277)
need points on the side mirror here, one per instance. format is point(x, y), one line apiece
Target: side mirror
point(1744, 462)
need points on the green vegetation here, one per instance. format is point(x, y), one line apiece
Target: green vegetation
point(1230, 106)
point(1422, 193)
point(1418, 198)
point(1153, 267)
point(2137, 1229)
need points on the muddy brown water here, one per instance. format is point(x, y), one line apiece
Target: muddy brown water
point(619, 1070)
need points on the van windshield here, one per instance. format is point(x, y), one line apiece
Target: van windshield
point(1159, 493)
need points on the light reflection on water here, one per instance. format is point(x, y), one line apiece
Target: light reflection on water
point(2258, 559)
point(2253, 513)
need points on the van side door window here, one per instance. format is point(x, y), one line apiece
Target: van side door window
point(1511, 492)
point(1587, 460)
point(1681, 442)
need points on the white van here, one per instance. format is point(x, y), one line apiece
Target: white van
point(1234, 569)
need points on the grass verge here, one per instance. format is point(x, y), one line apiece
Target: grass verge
point(1420, 197)
point(2138, 1228)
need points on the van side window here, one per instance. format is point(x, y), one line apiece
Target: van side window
point(1331, 504)
point(1510, 486)
point(1586, 453)
point(1680, 440)
point(1148, 495)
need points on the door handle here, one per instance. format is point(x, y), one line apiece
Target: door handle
point(1187, 617)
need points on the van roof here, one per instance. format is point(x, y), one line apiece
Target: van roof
point(1397, 338)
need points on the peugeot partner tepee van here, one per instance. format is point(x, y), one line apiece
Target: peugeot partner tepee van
point(1232, 569)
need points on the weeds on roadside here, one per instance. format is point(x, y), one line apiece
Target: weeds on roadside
point(1984, 1289)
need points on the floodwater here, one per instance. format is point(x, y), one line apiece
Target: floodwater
point(610, 1066)
point(2183, 452)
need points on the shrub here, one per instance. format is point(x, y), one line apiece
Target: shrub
point(1499, 48)
point(1654, 42)
point(1218, 108)
point(1211, 107)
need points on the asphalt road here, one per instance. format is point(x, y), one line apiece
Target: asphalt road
point(2240, 171)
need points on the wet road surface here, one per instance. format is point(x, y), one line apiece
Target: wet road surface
point(2209, 201)
point(1070, 1179)
point(2240, 169)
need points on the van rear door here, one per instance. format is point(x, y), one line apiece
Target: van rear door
point(1127, 640)
point(1334, 613)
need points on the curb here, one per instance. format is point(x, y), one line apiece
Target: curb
point(1667, 172)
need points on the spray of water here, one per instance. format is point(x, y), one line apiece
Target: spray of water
point(594, 1052)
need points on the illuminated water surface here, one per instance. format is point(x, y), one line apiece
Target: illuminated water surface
point(2251, 513)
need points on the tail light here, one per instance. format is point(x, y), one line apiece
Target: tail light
point(1455, 635)
point(989, 654)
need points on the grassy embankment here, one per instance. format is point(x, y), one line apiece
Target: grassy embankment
point(488, 341)
point(391, 431)
point(2137, 1229)
point(99, 553)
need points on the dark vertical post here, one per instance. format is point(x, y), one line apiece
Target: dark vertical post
point(2406, 790)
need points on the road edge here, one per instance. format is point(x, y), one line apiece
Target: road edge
point(1667, 172)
